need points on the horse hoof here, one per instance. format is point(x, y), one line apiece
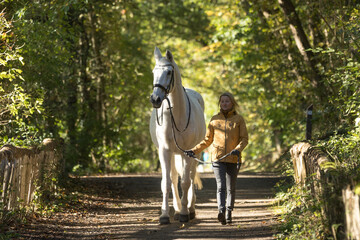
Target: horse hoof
point(164, 220)
point(192, 215)
point(176, 216)
point(184, 218)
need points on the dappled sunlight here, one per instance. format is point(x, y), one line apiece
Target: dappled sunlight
point(85, 74)
point(129, 207)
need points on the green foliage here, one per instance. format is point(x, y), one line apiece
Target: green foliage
point(89, 64)
point(83, 73)
point(243, 56)
point(302, 215)
point(252, 53)
point(344, 149)
point(46, 202)
point(299, 214)
point(10, 218)
point(17, 104)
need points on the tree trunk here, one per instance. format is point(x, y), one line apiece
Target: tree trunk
point(71, 117)
point(88, 131)
point(264, 15)
point(314, 22)
point(83, 56)
point(100, 71)
point(303, 44)
point(72, 94)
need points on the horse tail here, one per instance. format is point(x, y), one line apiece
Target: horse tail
point(197, 181)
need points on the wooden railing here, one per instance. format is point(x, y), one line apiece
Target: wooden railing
point(313, 167)
point(22, 171)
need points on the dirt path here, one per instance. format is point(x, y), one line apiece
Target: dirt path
point(128, 207)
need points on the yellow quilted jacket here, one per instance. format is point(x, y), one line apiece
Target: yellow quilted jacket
point(226, 134)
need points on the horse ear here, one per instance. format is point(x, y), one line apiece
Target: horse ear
point(157, 54)
point(169, 56)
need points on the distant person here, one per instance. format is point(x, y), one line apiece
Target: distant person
point(228, 134)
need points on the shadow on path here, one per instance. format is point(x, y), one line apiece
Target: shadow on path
point(128, 207)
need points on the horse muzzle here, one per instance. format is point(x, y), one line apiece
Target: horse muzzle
point(155, 101)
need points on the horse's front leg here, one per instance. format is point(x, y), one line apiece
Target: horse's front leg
point(165, 161)
point(174, 185)
point(185, 185)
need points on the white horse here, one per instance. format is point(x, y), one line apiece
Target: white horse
point(176, 124)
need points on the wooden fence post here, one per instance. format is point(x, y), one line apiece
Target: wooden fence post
point(352, 213)
point(21, 168)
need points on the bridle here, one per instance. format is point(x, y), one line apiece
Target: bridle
point(167, 90)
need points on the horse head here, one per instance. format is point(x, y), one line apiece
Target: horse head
point(163, 72)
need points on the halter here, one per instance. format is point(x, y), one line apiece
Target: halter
point(167, 91)
point(171, 84)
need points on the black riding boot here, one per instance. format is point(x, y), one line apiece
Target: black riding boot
point(221, 217)
point(228, 216)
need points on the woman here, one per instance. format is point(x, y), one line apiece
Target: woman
point(228, 134)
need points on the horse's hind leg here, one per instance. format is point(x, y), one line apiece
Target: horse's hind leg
point(175, 190)
point(192, 195)
point(192, 199)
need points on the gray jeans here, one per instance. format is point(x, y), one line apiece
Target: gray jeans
point(225, 174)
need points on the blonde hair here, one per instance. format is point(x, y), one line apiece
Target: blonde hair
point(232, 99)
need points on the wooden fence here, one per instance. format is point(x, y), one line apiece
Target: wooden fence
point(22, 171)
point(309, 168)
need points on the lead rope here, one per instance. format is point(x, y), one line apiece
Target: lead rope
point(172, 116)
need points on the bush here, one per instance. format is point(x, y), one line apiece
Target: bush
point(300, 215)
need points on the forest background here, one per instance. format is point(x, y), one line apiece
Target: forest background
point(82, 71)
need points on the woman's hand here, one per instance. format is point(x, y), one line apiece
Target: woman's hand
point(235, 152)
point(189, 153)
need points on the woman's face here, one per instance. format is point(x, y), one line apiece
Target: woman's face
point(225, 103)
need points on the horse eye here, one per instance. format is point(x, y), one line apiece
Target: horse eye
point(169, 73)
